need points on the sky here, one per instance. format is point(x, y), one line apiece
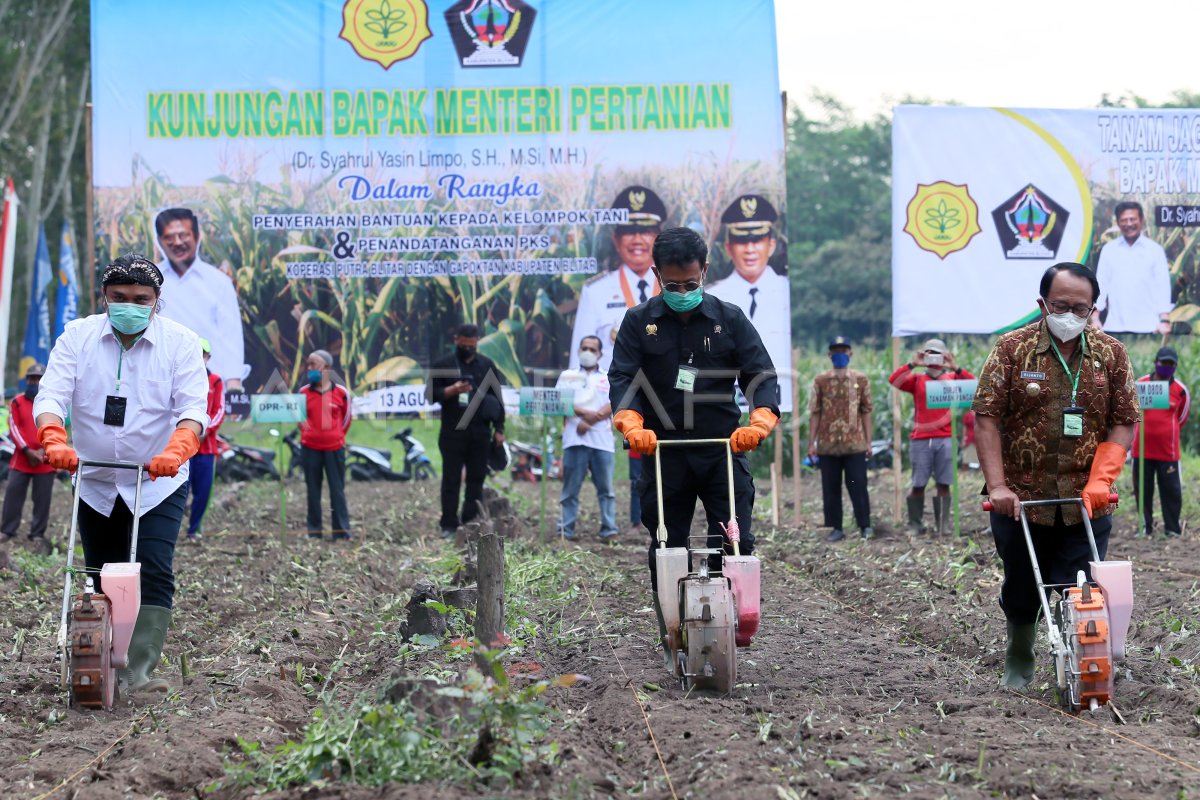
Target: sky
point(1052, 54)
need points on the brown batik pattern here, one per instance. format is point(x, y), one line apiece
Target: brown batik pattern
point(1024, 385)
point(840, 397)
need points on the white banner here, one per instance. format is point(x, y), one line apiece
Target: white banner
point(985, 199)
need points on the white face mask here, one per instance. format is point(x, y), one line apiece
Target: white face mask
point(588, 359)
point(1066, 326)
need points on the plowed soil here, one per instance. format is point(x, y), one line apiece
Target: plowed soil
point(874, 674)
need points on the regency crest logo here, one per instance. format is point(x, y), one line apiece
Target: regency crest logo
point(1030, 224)
point(385, 31)
point(942, 217)
point(490, 33)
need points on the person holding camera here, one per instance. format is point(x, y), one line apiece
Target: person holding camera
point(467, 385)
point(929, 449)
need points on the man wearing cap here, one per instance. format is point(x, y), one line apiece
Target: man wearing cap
point(133, 384)
point(754, 286)
point(678, 357)
point(198, 295)
point(1163, 427)
point(929, 449)
point(323, 444)
point(27, 467)
point(467, 385)
point(203, 464)
point(607, 296)
point(1054, 417)
point(839, 437)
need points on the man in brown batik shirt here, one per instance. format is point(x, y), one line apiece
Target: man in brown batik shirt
point(840, 437)
point(1055, 413)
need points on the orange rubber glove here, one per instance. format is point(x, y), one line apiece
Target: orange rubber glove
point(641, 441)
point(1106, 468)
point(762, 422)
point(183, 445)
point(59, 454)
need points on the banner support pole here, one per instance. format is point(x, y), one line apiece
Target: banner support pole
point(89, 213)
point(954, 475)
point(1141, 498)
point(897, 471)
point(796, 464)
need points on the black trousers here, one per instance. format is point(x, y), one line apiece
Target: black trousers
point(1062, 550)
point(1166, 474)
point(330, 464)
point(460, 449)
point(106, 540)
point(853, 468)
point(690, 474)
point(14, 501)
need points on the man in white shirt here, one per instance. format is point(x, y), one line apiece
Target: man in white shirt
point(199, 296)
point(1135, 279)
point(135, 388)
point(588, 440)
point(605, 297)
point(754, 286)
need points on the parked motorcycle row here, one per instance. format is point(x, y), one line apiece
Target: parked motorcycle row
point(238, 462)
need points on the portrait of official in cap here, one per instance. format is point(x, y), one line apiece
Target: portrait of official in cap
point(605, 297)
point(753, 284)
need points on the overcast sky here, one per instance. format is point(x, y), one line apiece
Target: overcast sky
point(1054, 54)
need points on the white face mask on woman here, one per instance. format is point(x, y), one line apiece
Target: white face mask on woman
point(1066, 326)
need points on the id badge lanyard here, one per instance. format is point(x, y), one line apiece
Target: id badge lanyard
point(1073, 416)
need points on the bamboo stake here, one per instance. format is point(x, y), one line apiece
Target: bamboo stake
point(796, 463)
point(897, 475)
point(89, 215)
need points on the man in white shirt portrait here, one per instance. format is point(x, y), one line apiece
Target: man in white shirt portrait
point(200, 296)
point(753, 286)
point(606, 297)
point(1135, 278)
point(134, 387)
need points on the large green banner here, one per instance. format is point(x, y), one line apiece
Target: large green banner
point(364, 176)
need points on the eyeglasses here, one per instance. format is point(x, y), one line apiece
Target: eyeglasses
point(680, 288)
point(1059, 307)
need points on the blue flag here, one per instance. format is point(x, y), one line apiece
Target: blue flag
point(37, 326)
point(66, 305)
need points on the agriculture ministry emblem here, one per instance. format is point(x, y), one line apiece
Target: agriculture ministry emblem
point(385, 31)
point(942, 217)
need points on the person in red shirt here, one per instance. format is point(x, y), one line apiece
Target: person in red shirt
point(929, 448)
point(28, 466)
point(323, 444)
point(203, 464)
point(1162, 447)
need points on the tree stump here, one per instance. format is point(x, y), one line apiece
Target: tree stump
point(464, 597)
point(423, 620)
point(489, 610)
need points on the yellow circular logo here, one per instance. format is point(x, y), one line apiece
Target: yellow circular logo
point(385, 31)
point(942, 217)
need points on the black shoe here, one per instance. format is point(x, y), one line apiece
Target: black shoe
point(836, 535)
point(313, 535)
point(868, 532)
point(448, 533)
point(1172, 534)
point(341, 537)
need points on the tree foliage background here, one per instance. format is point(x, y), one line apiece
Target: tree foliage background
point(44, 85)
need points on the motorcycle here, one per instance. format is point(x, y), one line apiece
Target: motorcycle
point(370, 464)
point(7, 449)
point(417, 465)
point(238, 462)
point(527, 461)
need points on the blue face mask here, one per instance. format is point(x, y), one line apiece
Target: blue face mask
point(129, 318)
point(684, 301)
point(314, 376)
point(840, 360)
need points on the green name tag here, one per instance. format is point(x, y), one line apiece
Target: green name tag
point(685, 381)
point(464, 400)
point(1073, 423)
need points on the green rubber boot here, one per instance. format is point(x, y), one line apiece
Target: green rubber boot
point(916, 515)
point(145, 651)
point(1018, 657)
